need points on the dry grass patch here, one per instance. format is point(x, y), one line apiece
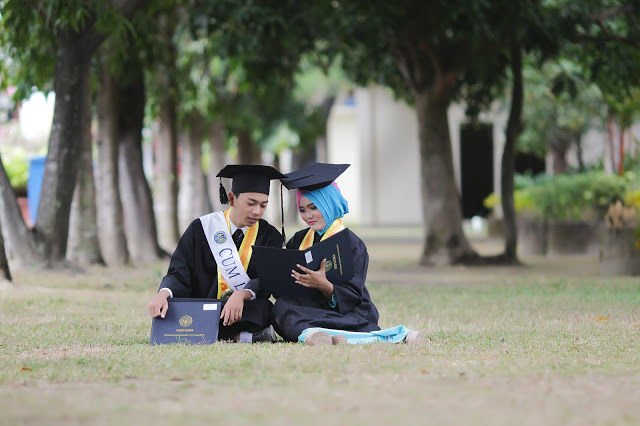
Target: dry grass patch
point(545, 344)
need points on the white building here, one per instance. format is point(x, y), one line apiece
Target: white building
point(378, 135)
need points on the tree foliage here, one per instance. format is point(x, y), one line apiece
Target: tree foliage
point(561, 106)
point(29, 30)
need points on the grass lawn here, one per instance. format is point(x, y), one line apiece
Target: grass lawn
point(548, 343)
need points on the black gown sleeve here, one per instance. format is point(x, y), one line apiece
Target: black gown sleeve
point(178, 278)
point(294, 242)
point(349, 294)
point(272, 238)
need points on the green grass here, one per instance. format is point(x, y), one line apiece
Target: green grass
point(533, 345)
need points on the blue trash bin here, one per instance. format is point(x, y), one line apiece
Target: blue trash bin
point(34, 185)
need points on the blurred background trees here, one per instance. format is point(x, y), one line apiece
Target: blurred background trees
point(154, 97)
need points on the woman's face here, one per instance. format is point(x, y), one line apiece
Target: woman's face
point(311, 215)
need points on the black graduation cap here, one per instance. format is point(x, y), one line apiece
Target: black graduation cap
point(247, 178)
point(314, 176)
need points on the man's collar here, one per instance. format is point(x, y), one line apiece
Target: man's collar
point(234, 227)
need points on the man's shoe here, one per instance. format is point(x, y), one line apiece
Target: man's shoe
point(268, 335)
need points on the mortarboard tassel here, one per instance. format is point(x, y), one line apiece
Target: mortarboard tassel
point(223, 194)
point(284, 238)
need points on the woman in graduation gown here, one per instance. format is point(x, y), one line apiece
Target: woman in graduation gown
point(340, 313)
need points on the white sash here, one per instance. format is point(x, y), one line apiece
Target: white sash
point(224, 250)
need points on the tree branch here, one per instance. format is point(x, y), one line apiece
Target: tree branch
point(612, 12)
point(607, 38)
point(127, 7)
point(404, 66)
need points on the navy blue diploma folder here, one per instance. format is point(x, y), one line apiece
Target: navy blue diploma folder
point(191, 321)
point(274, 265)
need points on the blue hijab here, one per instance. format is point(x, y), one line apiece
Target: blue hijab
point(330, 202)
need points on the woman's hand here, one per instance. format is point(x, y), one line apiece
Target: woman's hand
point(314, 279)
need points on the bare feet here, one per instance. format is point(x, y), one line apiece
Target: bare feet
point(318, 338)
point(413, 338)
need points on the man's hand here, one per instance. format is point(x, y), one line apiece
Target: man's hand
point(232, 311)
point(159, 305)
point(314, 279)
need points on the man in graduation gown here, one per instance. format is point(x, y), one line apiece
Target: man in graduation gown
point(213, 257)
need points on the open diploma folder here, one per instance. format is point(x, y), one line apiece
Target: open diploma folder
point(192, 321)
point(274, 265)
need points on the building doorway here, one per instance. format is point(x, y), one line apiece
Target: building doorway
point(476, 167)
point(531, 164)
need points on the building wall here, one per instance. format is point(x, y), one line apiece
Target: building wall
point(378, 135)
point(343, 144)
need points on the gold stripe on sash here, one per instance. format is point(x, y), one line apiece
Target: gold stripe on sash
point(335, 227)
point(245, 251)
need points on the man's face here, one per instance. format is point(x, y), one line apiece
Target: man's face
point(248, 207)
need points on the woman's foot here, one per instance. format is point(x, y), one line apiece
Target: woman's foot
point(338, 340)
point(318, 338)
point(413, 338)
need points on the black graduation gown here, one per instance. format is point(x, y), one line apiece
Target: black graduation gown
point(354, 311)
point(193, 273)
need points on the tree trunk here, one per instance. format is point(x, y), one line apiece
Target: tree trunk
point(248, 152)
point(165, 186)
point(71, 84)
point(322, 149)
point(559, 160)
point(322, 146)
point(4, 263)
point(113, 243)
point(137, 203)
point(63, 156)
point(192, 198)
point(440, 198)
point(579, 152)
point(610, 139)
point(621, 151)
point(165, 178)
point(216, 162)
point(83, 247)
point(514, 126)
point(19, 241)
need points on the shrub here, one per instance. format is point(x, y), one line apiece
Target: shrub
point(522, 199)
point(632, 199)
point(578, 197)
point(16, 165)
point(585, 196)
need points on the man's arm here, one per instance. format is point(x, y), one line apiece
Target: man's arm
point(177, 282)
